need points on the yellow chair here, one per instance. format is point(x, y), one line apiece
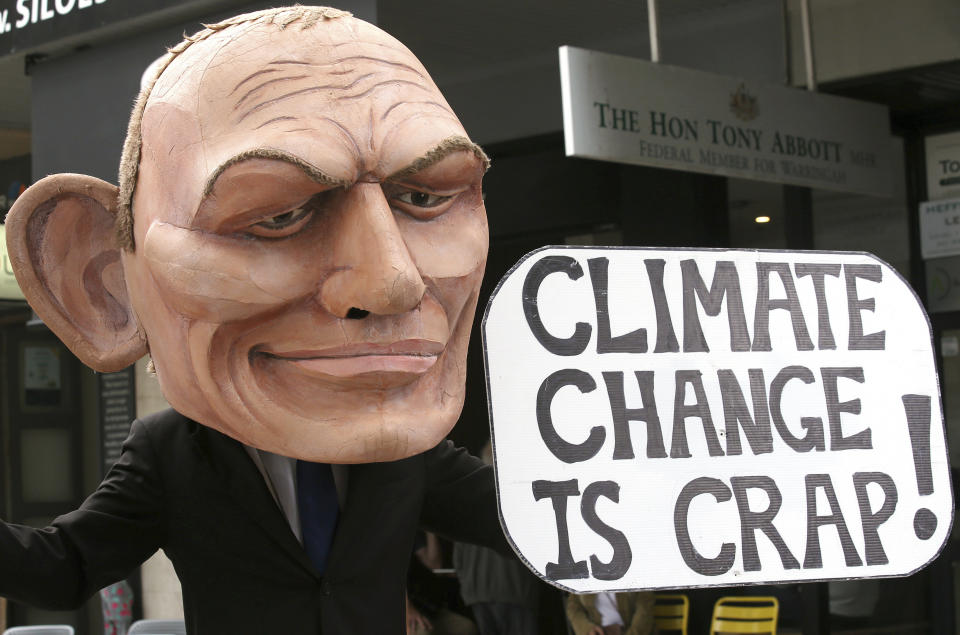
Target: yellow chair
point(671, 612)
point(745, 614)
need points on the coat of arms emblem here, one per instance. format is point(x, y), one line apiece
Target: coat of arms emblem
point(743, 104)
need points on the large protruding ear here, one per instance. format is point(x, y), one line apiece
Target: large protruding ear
point(63, 248)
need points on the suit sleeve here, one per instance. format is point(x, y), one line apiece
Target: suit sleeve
point(461, 499)
point(642, 621)
point(114, 530)
point(577, 615)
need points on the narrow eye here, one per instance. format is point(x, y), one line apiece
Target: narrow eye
point(281, 225)
point(421, 199)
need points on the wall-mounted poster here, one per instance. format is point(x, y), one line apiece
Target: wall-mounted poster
point(41, 375)
point(940, 228)
point(943, 165)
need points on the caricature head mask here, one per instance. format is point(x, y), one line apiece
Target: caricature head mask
point(302, 237)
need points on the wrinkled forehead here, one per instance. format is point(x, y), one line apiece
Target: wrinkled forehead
point(342, 95)
point(239, 50)
point(343, 72)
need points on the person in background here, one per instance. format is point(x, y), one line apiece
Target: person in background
point(117, 603)
point(432, 603)
point(501, 592)
point(611, 613)
point(852, 602)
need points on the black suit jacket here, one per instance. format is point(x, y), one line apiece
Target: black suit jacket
point(195, 493)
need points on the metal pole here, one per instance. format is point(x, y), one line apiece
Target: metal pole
point(787, 48)
point(654, 25)
point(808, 44)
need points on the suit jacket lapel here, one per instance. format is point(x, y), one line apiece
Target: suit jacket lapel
point(243, 482)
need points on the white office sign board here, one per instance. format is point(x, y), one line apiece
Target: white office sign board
point(670, 418)
point(628, 110)
point(943, 165)
point(940, 228)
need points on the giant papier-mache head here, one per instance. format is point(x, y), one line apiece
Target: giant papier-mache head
point(297, 240)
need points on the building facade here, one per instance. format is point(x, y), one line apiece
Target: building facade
point(71, 70)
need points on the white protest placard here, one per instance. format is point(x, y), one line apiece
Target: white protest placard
point(670, 418)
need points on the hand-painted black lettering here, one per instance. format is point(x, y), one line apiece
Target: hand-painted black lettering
point(701, 409)
point(871, 520)
point(917, 409)
point(622, 554)
point(855, 305)
point(632, 342)
point(751, 521)
point(791, 304)
point(561, 448)
point(736, 413)
point(693, 558)
point(859, 441)
point(622, 416)
point(812, 558)
point(725, 283)
point(817, 272)
point(576, 343)
point(814, 438)
point(558, 492)
point(666, 337)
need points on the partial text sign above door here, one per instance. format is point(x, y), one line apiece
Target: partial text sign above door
point(25, 24)
point(668, 418)
point(628, 110)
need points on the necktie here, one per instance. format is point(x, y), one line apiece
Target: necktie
point(317, 503)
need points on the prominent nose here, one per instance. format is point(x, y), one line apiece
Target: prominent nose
point(372, 269)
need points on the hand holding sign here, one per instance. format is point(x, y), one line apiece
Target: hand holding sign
point(676, 418)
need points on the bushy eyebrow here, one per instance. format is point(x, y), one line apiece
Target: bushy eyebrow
point(450, 145)
point(276, 155)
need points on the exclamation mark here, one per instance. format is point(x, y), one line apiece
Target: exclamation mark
point(917, 408)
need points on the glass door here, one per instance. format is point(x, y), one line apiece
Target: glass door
point(42, 421)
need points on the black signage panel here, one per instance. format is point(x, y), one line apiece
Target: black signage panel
point(118, 408)
point(25, 24)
